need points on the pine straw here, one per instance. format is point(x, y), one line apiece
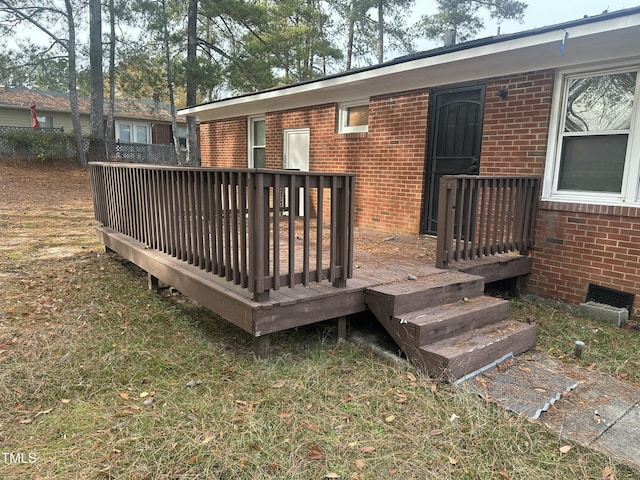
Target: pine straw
point(84, 344)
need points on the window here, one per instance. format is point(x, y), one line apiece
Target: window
point(128, 132)
point(182, 136)
point(257, 142)
point(45, 121)
point(353, 117)
point(593, 156)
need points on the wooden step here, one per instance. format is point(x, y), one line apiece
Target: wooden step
point(443, 321)
point(396, 299)
point(462, 354)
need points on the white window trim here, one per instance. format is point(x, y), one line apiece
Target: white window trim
point(343, 115)
point(133, 126)
point(630, 191)
point(250, 146)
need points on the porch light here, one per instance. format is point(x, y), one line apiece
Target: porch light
point(503, 93)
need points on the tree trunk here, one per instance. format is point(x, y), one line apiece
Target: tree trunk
point(97, 150)
point(380, 31)
point(350, 35)
point(192, 42)
point(73, 90)
point(172, 101)
point(112, 72)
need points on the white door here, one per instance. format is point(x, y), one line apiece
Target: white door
point(296, 157)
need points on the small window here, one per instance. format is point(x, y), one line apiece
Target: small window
point(354, 117)
point(182, 136)
point(45, 121)
point(257, 143)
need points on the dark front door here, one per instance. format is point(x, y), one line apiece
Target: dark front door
point(455, 137)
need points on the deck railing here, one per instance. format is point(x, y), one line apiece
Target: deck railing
point(260, 229)
point(481, 216)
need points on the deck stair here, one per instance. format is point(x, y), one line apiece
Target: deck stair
point(446, 325)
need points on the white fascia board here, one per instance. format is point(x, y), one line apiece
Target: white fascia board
point(586, 43)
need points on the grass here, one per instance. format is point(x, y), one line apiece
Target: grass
point(608, 349)
point(85, 345)
point(100, 378)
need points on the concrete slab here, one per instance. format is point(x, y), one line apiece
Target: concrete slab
point(622, 440)
point(601, 412)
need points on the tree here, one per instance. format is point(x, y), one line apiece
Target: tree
point(369, 24)
point(44, 16)
point(458, 20)
point(97, 149)
point(191, 85)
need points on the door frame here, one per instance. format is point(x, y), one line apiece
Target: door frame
point(429, 151)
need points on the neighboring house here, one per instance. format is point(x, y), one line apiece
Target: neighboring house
point(135, 121)
point(560, 102)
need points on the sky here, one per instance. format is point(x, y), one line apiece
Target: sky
point(539, 13)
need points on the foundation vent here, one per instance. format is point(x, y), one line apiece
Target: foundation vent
point(610, 296)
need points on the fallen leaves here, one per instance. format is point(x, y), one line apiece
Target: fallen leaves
point(608, 473)
point(30, 415)
point(565, 449)
point(315, 453)
point(367, 449)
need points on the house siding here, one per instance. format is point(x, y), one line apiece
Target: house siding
point(575, 244)
point(15, 118)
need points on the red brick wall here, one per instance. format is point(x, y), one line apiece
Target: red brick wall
point(515, 129)
point(388, 160)
point(578, 244)
point(575, 244)
point(223, 143)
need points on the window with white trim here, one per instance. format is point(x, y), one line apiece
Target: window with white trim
point(257, 142)
point(130, 132)
point(594, 154)
point(353, 117)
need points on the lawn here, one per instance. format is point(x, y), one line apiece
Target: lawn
point(101, 378)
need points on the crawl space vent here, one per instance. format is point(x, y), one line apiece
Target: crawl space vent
point(609, 296)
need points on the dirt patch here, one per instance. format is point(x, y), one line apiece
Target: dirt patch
point(46, 209)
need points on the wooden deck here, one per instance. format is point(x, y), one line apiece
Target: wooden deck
point(290, 307)
point(271, 250)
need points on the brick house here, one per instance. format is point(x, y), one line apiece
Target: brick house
point(560, 102)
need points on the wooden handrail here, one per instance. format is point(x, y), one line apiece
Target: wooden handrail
point(480, 216)
point(243, 225)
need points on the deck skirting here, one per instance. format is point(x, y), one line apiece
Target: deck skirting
point(286, 308)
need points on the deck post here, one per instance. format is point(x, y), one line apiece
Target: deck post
point(342, 329)
point(446, 211)
point(341, 216)
point(261, 347)
point(153, 283)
